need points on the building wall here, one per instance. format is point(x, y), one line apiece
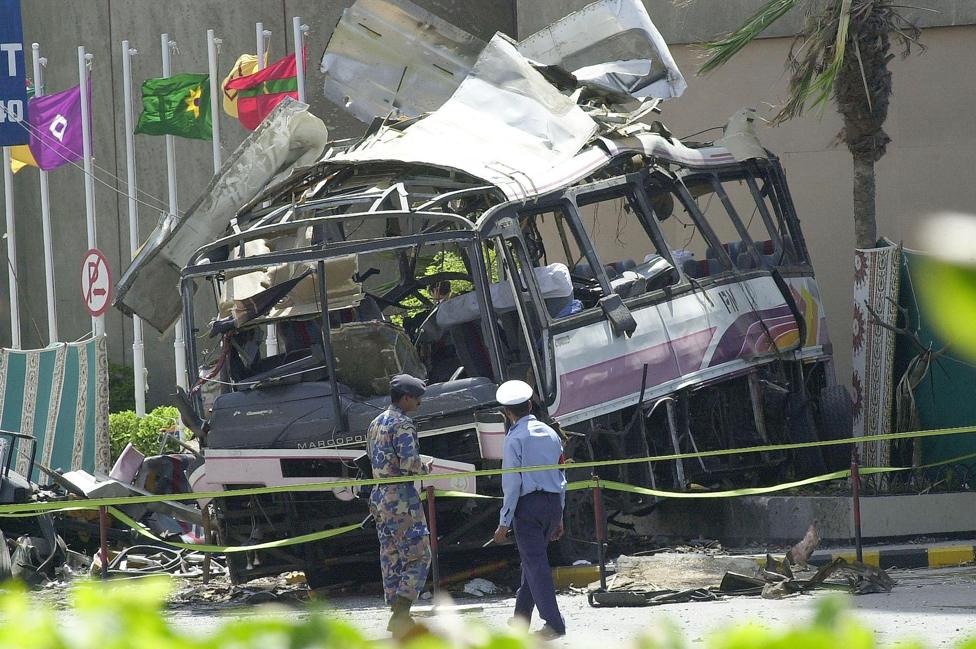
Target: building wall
point(931, 122)
point(59, 27)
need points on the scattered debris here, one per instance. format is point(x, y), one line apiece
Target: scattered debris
point(632, 598)
point(295, 577)
point(677, 572)
point(480, 587)
point(858, 579)
point(800, 553)
point(148, 559)
point(673, 578)
point(221, 593)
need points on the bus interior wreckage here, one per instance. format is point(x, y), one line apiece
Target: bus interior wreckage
point(519, 218)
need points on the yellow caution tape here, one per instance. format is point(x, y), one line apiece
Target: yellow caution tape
point(224, 549)
point(26, 508)
point(457, 494)
point(728, 493)
point(572, 486)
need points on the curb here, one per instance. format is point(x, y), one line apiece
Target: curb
point(921, 557)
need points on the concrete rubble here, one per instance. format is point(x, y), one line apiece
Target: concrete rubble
point(668, 578)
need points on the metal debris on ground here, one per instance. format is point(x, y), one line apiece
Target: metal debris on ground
point(633, 598)
point(775, 582)
point(150, 559)
point(221, 593)
point(37, 549)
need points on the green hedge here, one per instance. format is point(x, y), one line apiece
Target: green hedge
point(129, 615)
point(125, 427)
point(121, 388)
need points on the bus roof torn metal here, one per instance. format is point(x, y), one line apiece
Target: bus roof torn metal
point(508, 113)
point(525, 115)
point(391, 58)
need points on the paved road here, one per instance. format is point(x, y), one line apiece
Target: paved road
point(936, 606)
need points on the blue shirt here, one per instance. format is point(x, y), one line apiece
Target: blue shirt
point(530, 443)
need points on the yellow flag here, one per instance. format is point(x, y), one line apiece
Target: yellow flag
point(246, 64)
point(20, 157)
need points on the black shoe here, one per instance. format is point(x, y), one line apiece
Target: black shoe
point(400, 622)
point(549, 633)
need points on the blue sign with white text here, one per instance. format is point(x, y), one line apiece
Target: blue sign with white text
point(13, 81)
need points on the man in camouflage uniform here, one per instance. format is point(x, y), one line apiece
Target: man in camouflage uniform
point(391, 443)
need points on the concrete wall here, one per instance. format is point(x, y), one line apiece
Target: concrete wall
point(784, 519)
point(101, 25)
point(931, 122)
point(694, 21)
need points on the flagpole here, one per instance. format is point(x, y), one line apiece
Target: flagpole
point(260, 33)
point(8, 200)
point(212, 43)
point(298, 32)
point(52, 309)
point(138, 347)
point(179, 342)
point(98, 322)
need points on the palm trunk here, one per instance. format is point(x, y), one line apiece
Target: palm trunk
point(865, 223)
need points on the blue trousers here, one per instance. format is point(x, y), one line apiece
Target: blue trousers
point(537, 516)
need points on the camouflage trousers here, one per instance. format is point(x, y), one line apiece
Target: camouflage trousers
point(404, 548)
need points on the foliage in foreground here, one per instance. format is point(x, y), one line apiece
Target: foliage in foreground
point(130, 615)
point(125, 427)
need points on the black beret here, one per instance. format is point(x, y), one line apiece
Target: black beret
point(409, 385)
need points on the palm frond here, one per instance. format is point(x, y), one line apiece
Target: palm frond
point(824, 83)
point(722, 50)
point(829, 51)
point(817, 58)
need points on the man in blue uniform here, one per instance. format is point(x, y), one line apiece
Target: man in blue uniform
point(532, 505)
point(391, 443)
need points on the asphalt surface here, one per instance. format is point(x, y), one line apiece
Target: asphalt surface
point(935, 606)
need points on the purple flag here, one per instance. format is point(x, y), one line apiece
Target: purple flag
point(55, 121)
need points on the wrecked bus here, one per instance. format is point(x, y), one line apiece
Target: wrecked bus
point(653, 351)
point(657, 294)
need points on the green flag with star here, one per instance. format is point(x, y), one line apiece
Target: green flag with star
point(177, 105)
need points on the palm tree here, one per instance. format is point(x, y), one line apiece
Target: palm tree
point(842, 50)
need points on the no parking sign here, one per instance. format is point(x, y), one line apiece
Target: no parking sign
point(96, 282)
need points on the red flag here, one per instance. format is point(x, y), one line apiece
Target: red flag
point(260, 92)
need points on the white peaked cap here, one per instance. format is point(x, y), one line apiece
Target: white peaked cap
point(512, 393)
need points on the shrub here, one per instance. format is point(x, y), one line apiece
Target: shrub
point(125, 427)
point(121, 388)
point(129, 616)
